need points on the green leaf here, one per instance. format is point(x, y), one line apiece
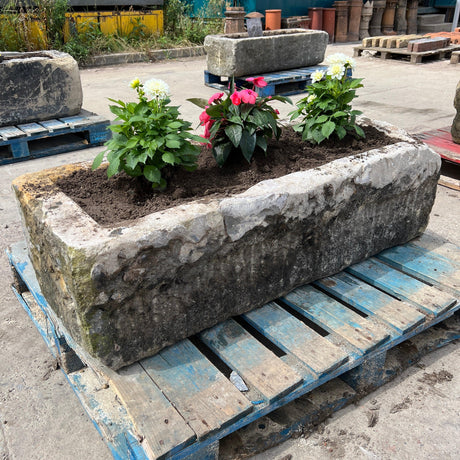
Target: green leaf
point(359, 131)
point(97, 161)
point(341, 132)
point(114, 167)
point(262, 143)
point(172, 144)
point(317, 136)
point(247, 145)
point(322, 119)
point(234, 133)
point(221, 152)
point(214, 111)
point(168, 158)
point(327, 129)
point(175, 125)
point(152, 174)
point(200, 102)
point(132, 143)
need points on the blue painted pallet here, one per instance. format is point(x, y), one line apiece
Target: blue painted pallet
point(283, 82)
point(182, 401)
point(51, 137)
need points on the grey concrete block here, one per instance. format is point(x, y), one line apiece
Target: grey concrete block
point(237, 54)
point(124, 293)
point(38, 86)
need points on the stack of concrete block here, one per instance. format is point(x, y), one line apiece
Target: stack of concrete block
point(296, 22)
point(385, 41)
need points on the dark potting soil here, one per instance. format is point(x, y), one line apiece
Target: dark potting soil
point(122, 198)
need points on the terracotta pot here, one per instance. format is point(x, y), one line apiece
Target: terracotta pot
point(272, 19)
point(316, 15)
point(388, 18)
point(400, 17)
point(234, 20)
point(329, 22)
point(366, 15)
point(341, 21)
point(375, 26)
point(354, 19)
point(411, 16)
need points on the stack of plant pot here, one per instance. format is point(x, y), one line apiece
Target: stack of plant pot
point(348, 20)
point(323, 19)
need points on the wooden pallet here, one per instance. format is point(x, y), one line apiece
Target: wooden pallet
point(441, 141)
point(413, 57)
point(284, 82)
point(182, 401)
point(50, 137)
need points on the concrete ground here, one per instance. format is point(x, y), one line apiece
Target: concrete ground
point(40, 417)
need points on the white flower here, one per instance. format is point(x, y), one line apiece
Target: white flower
point(337, 58)
point(317, 75)
point(311, 98)
point(156, 89)
point(336, 71)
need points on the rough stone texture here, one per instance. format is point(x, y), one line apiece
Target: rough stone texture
point(124, 293)
point(237, 54)
point(38, 86)
point(455, 130)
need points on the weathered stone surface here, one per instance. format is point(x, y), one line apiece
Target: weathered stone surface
point(38, 86)
point(237, 54)
point(455, 130)
point(124, 293)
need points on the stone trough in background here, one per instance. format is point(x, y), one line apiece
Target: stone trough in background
point(238, 54)
point(38, 86)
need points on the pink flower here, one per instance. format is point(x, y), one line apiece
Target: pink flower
point(258, 82)
point(248, 96)
point(215, 97)
point(204, 117)
point(277, 111)
point(207, 127)
point(236, 98)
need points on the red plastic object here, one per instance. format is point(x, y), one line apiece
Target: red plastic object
point(440, 140)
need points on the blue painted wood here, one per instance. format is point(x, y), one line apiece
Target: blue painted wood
point(205, 398)
point(425, 265)
point(399, 315)
point(402, 286)
point(258, 366)
point(336, 318)
point(89, 130)
point(263, 409)
point(293, 336)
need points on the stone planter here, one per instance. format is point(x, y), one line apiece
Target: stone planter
point(38, 86)
point(125, 292)
point(238, 55)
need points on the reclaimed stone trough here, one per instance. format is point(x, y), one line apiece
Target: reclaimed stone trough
point(238, 54)
point(126, 292)
point(38, 86)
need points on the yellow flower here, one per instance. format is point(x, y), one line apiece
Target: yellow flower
point(317, 75)
point(135, 83)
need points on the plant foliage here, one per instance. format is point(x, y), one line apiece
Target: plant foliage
point(327, 109)
point(150, 136)
point(239, 122)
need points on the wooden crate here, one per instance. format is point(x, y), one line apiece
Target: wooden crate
point(182, 401)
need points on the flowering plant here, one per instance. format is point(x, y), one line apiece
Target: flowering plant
point(239, 121)
point(150, 136)
point(327, 109)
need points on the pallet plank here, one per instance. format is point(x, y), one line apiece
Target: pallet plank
point(402, 286)
point(336, 318)
point(32, 128)
point(11, 132)
point(162, 428)
point(424, 265)
point(293, 336)
point(399, 315)
point(438, 247)
point(202, 395)
point(53, 125)
point(257, 365)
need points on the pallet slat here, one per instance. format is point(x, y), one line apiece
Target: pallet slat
point(201, 393)
point(11, 132)
point(424, 265)
point(257, 365)
point(32, 128)
point(399, 315)
point(53, 125)
point(335, 318)
point(427, 298)
point(162, 428)
point(292, 336)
